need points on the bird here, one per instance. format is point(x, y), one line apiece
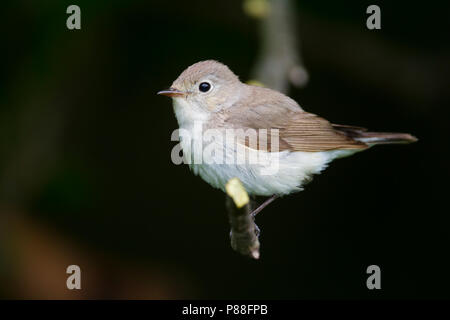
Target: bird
point(209, 96)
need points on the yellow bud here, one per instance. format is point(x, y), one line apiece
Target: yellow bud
point(237, 192)
point(257, 83)
point(256, 8)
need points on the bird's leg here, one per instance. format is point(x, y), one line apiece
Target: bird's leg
point(263, 205)
point(257, 210)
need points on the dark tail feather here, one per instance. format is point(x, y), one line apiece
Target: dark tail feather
point(385, 138)
point(360, 134)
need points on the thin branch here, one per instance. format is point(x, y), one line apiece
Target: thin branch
point(280, 61)
point(265, 204)
point(243, 233)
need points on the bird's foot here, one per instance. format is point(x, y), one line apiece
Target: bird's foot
point(257, 230)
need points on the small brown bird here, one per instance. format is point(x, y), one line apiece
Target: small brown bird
point(209, 96)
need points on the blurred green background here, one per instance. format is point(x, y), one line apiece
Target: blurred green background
point(86, 176)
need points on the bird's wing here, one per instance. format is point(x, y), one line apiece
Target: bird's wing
point(298, 130)
point(308, 132)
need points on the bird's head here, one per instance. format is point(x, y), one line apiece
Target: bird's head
point(208, 85)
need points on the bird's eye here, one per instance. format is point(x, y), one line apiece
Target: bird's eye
point(204, 87)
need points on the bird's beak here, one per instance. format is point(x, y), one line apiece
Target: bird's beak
point(171, 92)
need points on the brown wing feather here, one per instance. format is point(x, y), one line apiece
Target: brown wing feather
point(309, 132)
point(263, 108)
point(343, 127)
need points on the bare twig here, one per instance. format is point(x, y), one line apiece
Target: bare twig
point(243, 233)
point(280, 61)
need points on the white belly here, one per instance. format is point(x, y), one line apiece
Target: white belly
point(283, 172)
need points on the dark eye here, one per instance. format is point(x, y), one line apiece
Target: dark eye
point(204, 87)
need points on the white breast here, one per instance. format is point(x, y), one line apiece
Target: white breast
point(283, 172)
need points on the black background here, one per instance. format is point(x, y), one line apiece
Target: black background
point(85, 154)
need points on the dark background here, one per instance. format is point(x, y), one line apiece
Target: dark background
point(86, 176)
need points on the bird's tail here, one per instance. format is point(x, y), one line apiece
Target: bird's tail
point(371, 138)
